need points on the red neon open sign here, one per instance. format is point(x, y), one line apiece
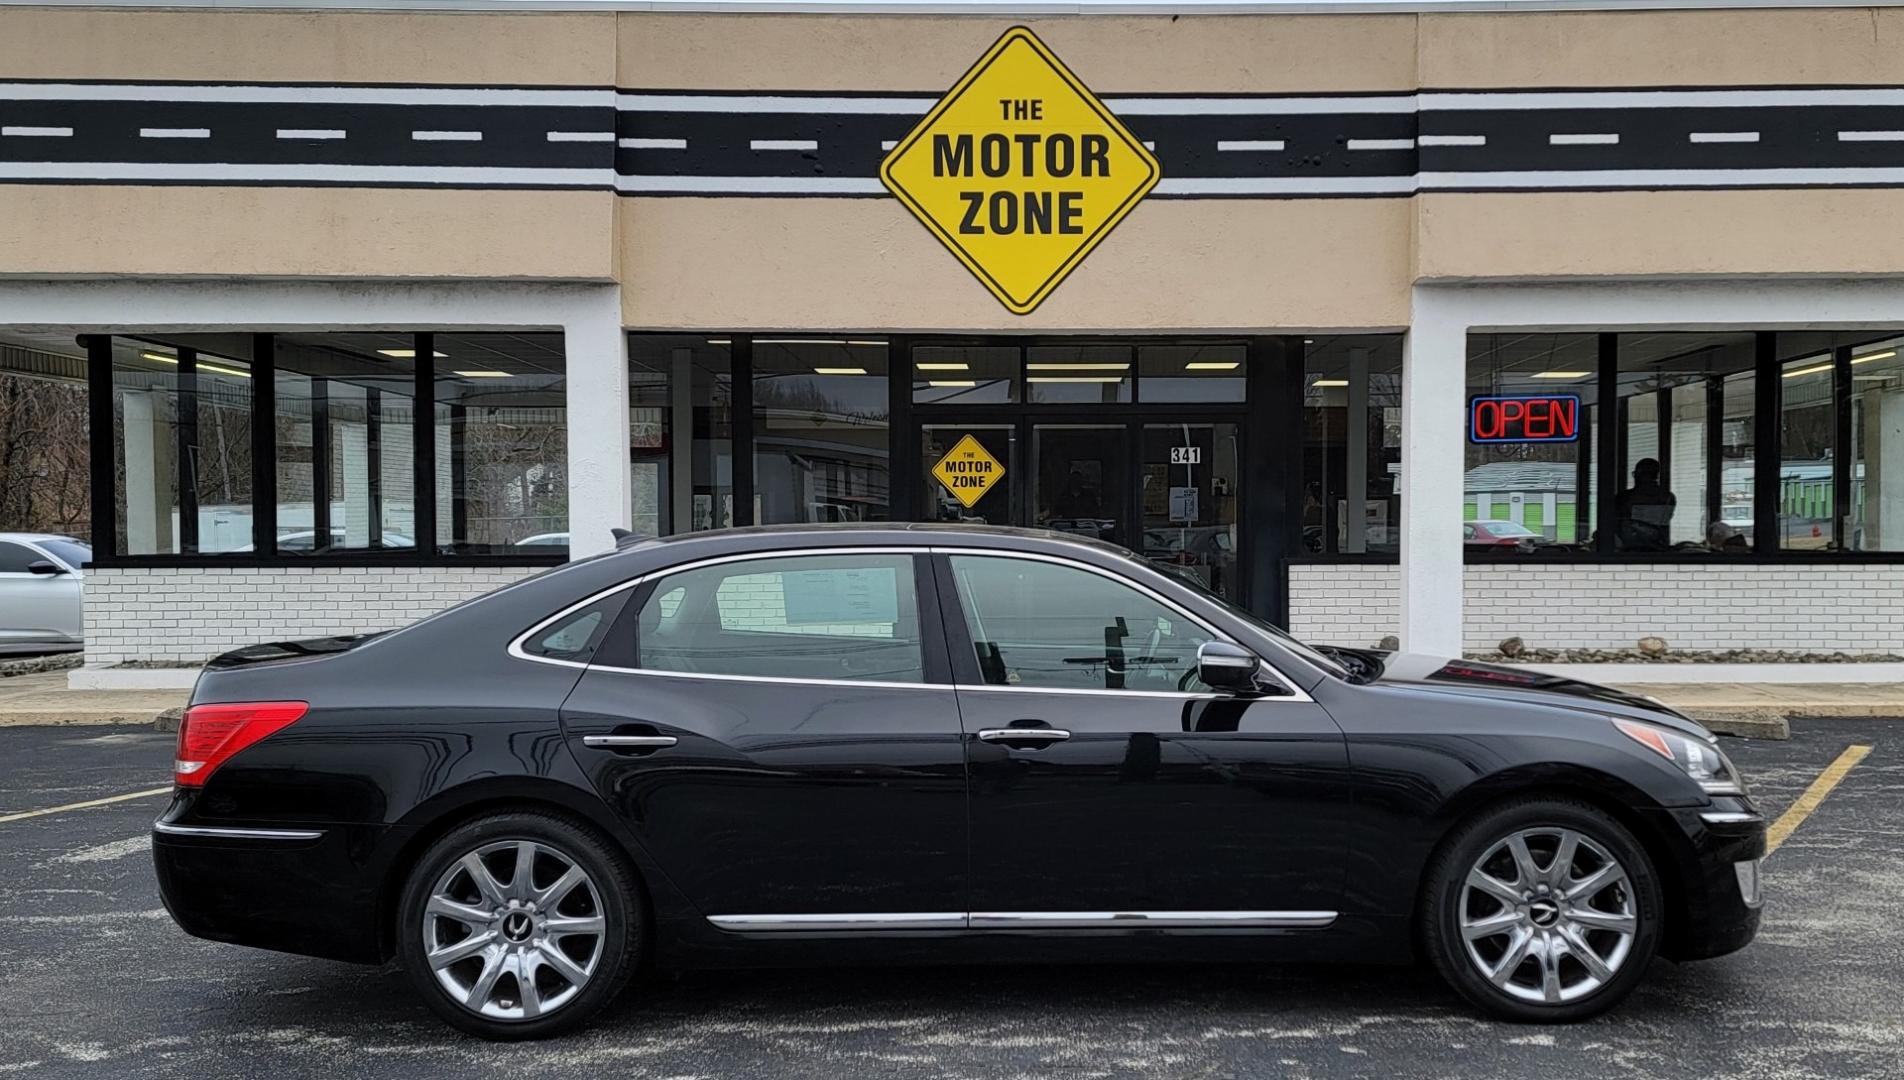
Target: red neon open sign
point(1524, 418)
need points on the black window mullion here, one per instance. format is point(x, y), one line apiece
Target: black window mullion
point(320, 464)
point(1663, 407)
point(103, 440)
point(373, 464)
point(902, 484)
point(423, 444)
point(264, 444)
point(743, 409)
point(459, 474)
point(1767, 451)
point(1715, 450)
point(185, 451)
point(1584, 465)
point(1842, 461)
point(1608, 396)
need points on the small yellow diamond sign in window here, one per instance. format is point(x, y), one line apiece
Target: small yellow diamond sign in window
point(968, 471)
point(1020, 171)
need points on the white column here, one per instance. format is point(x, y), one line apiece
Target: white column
point(1434, 399)
point(151, 478)
point(601, 481)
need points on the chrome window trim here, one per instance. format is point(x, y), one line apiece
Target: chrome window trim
point(1293, 692)
point(515, 646)
point(856, 922)
point(225, 833)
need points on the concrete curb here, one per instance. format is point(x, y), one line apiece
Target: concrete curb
point(1745, 723)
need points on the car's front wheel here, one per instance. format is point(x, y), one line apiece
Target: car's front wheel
point(1544, 910)
point(519, 925)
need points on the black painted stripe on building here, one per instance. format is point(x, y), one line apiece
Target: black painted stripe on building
point(830, 145)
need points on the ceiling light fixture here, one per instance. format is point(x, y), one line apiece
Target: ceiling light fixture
point(719, 341)
point(409, 354)
point(951, 382)
point(1560, 374)
point(1330, 382)
point(484, 374)
point(1813, 370)
point(941, 367)
point(1886, 355)
point(201, 365)
point(1212, 365)
point(1076, 379)
point(839, 371)
point(1078, 367)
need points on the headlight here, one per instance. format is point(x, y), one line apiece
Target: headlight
point(1702, 761)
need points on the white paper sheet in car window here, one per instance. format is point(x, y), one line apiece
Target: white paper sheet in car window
point(863, 595)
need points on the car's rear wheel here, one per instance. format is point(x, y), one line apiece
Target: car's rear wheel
point(519, 925)
point(1544, 910)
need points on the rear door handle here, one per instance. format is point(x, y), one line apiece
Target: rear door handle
point(629, 742)
point(1020, 734)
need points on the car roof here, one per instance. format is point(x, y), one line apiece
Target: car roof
point(857, 533)
point(29, 536)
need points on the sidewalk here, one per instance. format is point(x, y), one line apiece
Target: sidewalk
point(1754, 710)
point(44, 699)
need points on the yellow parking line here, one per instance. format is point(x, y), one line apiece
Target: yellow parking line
point(1795, 815)
point(89, 803)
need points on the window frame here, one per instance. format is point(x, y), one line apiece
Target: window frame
point(264, 466)
point(967, 676)
point(623, 635)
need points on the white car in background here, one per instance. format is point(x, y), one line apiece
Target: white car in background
point(40, 585)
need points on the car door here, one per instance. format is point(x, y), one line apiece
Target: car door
point(1110, 786)
point(35, 608)
point(784, 740)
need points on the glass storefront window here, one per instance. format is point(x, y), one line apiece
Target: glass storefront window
point(145, 407)
point(965, 374)
point(501, 442)
point(822, 448)
point(344, 411)
point(1191, 373)
point(650, 413)
point(1669, 385)
point(1806, 419)
point(1520, 497)
point(1352, 417)
point(1875, 517)
point(1188, 492)
point(1078, 374)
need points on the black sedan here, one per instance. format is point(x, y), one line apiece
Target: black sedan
point(931, 743)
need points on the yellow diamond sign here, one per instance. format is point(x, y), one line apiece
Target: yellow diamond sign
point(1020, 171)
point(968, 471)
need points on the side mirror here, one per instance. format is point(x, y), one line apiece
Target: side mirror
point(45, 566)
point(1229, 668)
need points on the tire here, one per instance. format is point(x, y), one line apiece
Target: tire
point(486, 934)
point(1615, 913)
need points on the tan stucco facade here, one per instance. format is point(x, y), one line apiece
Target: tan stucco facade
point(1175, 264)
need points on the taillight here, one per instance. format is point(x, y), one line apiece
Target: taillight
point(211, 734)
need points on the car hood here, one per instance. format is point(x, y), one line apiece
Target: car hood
point(1499, 682)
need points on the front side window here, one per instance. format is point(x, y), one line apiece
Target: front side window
point(1048, 626)
point(15, 558)
point(847, 616)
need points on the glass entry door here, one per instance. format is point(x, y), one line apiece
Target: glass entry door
point(1079, 480)
point(998, 505)
point(1188, 495)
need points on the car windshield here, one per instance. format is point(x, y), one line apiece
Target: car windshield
point(1507, 528)
point(71, 552)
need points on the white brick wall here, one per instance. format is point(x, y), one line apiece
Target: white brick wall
point(1817, 608)
point(188, 615)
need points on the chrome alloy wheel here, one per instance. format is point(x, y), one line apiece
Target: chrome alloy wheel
point(513, 930)
point(1547, 915)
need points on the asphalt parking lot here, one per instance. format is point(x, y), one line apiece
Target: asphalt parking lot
point(101, 984)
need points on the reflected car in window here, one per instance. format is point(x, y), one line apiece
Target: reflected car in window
point(1508, 534)
point(930, 743)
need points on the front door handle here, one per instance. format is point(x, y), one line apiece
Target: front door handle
point(629, 743)
point(1020, 734)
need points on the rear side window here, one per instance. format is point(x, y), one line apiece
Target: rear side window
point(577, 635)
point(845, 616)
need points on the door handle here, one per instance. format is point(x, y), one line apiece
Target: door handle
point(629, 742)
point(1020, 734)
